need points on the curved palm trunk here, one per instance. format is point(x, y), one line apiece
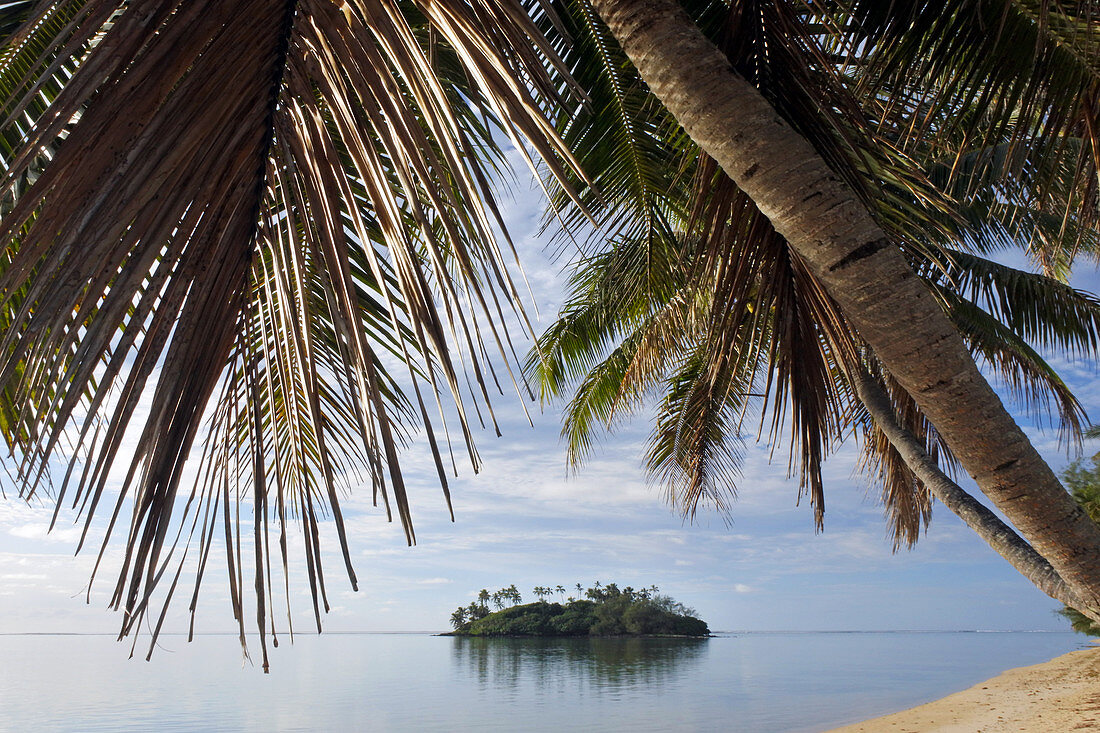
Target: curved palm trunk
point(832, 230)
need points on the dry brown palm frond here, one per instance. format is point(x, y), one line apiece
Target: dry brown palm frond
point(284, 198)
point(907, 503)
point(771, 315)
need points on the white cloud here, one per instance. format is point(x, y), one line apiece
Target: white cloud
point(41, 532)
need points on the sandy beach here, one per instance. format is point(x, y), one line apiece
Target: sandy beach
point(1058, 696)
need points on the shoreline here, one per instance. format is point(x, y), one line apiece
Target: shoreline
point(1060, 695)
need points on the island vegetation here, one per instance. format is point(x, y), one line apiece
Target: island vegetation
point(1082, 478)
point(602, 610)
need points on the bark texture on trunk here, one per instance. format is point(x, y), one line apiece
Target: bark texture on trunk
point(832, 230)
point(998, 535)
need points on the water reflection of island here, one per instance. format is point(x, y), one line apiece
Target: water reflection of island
point(598, 664)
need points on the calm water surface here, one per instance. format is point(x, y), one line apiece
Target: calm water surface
point(755, 682)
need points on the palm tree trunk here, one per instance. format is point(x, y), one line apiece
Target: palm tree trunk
point(832, 230)
point(998, 535)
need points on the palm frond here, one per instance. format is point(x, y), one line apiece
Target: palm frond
point(694, 453)
point(973, 74)
point(284, 241)
point(610, 294)
point(619, 137)
point(1032, 382)
point(1038, 308)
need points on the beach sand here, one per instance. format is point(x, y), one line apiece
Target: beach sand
point(1058, 696)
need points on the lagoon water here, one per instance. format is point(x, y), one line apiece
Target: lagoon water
point(754, 682)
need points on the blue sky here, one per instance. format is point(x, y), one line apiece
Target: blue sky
point(526, 520)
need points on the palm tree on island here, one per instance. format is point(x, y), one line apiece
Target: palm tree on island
point(458, 617)
point(263, 258)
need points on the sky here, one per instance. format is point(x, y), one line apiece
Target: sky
point(526, 520)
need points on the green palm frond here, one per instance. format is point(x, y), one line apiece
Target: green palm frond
point(598, 399)
point(1037, 308)
point(694, 450)
point(1032, 382)
point(1023, 57)
point(620, 332)
point(1030, 203)
point(973, 74)
point(765, 328)
point(611, 293)
point(619, 137)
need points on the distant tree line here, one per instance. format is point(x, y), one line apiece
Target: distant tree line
point(599, 611)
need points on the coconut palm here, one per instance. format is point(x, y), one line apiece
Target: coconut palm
point(458, 617)
point(651, 314)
